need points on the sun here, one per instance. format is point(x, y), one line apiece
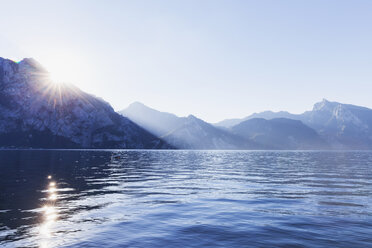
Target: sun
point(68, 68)
point(58, 77)
point(62, 67)
point(60, 73)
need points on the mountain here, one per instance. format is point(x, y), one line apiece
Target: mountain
point(156, 122)
point(184, 132)
point(346, 126)
point(195, 133)
point(279, 133)
point(329, 125)
point(342, 126)
point(228, 123)
point(34, 112)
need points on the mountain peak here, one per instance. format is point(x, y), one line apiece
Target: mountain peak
point(193, 119)
point(28, 60)
point(158, 123)
point(31, 64)
point(325, 105)
point(33, 115)
point(136, 106)
point(136, 103)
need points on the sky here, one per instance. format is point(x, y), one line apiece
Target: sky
point(214, 59)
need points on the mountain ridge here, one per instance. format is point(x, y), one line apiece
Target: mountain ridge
point(183, 132)
point(38, 113)
point(344, 126)
point(280, 133)
point(334, 126)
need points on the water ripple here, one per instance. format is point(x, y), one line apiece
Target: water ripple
point(185, 199)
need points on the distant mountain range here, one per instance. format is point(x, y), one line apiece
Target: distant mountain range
point(342, 126)
point(249, 133)
point(184, 132)
point(280, 133)
point(264, 115)
point(36, 113)
point(330, 125)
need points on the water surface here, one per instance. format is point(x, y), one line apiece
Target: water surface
point(185, 199)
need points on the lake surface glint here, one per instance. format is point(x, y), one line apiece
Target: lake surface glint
point(152, 198)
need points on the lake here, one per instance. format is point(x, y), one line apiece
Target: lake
point(158, 198)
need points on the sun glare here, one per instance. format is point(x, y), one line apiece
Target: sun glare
point(62, 67)
point(59, 75)
point(50, 214)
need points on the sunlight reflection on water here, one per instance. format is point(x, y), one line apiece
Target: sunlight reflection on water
point(50, 215)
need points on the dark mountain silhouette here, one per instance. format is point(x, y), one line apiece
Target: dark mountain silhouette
point(38, 113)
point(280, 133)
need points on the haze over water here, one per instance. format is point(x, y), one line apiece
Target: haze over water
point(185, 199)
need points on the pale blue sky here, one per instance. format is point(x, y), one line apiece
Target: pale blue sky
point(214, 59)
